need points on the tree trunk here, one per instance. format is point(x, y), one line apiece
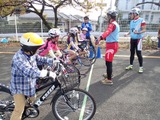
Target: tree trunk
point(45, 22)
point(156, 3)
point(56, 18)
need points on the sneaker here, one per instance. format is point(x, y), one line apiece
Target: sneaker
point(105, 75)
point(129, 67)
point(107, 82)
point(140, 70)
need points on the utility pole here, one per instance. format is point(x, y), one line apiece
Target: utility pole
point(15, 20)
point(41, 28)
point(101, 5)
point(100, 21)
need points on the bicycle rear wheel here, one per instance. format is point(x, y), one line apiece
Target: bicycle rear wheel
point(73, 72)
point(84, 60)
point(6, 103)
point(64, 39)
point(82, 68)
point(69, 106)
point(92, 54)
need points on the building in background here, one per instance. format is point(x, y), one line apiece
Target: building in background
point(64, 23)
point(150, 12)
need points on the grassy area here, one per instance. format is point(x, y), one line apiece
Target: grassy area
point(147, 45)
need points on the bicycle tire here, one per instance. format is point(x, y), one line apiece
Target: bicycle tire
point(84, 60)
point(90, 54)
point(76, 99)
point(82, 68)
point(92, 57)
point(72, 69)
point(6, 103)
point(64, 39)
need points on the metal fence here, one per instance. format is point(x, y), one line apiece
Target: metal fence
point(9, 30)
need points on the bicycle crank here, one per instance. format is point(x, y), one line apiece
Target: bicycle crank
point(31, 112)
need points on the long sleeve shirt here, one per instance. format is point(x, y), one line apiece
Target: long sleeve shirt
point(24, 73)
point(111, 27)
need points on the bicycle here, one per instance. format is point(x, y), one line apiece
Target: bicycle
point(82, 63)
point(89, 49)
point(64, 39)
point(66, 103)
point(72, 71)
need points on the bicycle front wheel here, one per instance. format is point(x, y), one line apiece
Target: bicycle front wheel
point(74, 104)
point(6, 103)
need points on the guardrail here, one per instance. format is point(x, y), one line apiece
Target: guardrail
point(12, 36)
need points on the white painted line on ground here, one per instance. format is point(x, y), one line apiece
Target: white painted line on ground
point(7, 52)
point(85, 97)
point(89, 78)
point(127, 56)
point(136, 56)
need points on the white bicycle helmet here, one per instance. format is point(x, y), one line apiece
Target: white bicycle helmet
point(112, 13)
point(136, 10)
point(30, 42)
point(85, 29)
point(73, 30)
point(54, 32)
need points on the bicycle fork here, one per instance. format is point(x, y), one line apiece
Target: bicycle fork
point(72, 101)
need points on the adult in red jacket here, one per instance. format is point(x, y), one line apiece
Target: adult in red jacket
point(111, 36)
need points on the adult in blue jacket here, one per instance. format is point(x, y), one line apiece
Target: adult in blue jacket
point(87, 24)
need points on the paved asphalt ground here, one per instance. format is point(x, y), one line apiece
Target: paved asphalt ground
point(133, 96)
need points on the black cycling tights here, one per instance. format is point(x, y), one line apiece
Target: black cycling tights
point(134, 48)
point(109, 70)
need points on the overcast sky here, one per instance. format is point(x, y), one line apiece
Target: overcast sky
point(92, 15)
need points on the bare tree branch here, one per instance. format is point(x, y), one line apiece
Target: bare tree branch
point(158, 4)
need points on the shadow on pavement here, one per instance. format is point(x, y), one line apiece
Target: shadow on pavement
point(102, 93)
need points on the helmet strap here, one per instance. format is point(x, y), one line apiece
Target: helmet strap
point(109, 19)
point(31, 53)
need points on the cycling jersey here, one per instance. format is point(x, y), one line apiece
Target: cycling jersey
point(72, 43)
point(49, 45)
point(136, 25)
point(111, 34)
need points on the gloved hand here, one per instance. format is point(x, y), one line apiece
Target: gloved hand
point(55, 61)
point(52, 74)
point(45, 73)
point(87, 25)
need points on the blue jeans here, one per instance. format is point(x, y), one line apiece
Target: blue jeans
point(158, 42)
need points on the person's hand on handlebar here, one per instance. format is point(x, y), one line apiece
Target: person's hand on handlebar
point(47, 73)
point(55, 61)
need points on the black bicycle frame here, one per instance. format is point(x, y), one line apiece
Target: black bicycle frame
point(53, 85)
